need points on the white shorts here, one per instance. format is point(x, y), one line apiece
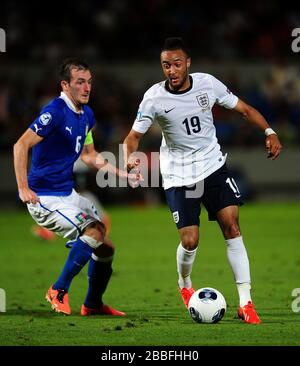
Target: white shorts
point(67, 216)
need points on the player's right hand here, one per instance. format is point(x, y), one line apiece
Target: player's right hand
point(28, 196)
point(133, 166)
point(134, 178)
point(134, 174)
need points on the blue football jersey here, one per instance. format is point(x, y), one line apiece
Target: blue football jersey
point(64, 132)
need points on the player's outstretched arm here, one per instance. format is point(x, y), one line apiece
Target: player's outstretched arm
point(89, 156)
point(21, 149)
point(130, 145)
point(252, 115)
point(95, 160)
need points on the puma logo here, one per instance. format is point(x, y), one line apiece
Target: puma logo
point(37, 128)
point(69, 129)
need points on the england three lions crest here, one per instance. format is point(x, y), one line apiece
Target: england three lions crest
point(203, 101)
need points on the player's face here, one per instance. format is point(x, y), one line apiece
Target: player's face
point(79, 87)
point(175, 65)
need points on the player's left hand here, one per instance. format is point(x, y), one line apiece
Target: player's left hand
point(273, 146)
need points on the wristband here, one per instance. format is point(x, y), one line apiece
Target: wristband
point(269, 131)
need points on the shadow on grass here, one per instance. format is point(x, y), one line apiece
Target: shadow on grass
point(45, 313)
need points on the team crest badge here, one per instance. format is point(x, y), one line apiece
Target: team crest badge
point(176, 217)
point(203, 100)
point(45, 119)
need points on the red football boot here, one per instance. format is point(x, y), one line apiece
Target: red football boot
point(59, 300)
point(103, 310)
point(186, 294)
point(248, 314)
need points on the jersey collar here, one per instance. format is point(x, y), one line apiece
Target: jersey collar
point(180, 91)
point(69, 103)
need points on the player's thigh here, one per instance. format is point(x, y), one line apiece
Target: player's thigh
point(228, 214)
point(62, 215)
point(54, 219)
point(86, 205)
point(185, 209)
point(220, 191)
point(228, 219)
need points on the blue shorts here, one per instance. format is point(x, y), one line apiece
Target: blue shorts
point(218, 191)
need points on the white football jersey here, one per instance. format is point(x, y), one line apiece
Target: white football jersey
point(189, 149)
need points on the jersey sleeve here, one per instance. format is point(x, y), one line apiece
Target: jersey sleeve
point(47, 121)
point(89, 138)
point(145, 116)
point(224, 96)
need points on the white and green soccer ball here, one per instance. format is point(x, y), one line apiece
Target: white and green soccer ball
point(207, 305)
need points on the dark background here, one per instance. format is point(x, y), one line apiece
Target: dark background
point(248, 47)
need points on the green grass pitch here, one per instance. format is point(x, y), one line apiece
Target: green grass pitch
point(144, 282)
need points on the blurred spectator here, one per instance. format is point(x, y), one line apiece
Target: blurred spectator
point(117, 33)
point(114, 29)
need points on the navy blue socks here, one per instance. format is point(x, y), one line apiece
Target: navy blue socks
point(99, 274)
point(78, 257)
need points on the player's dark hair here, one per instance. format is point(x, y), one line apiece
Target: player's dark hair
point(175, 43)
point(68, 65)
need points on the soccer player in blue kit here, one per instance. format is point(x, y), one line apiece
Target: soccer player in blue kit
point(58, 137)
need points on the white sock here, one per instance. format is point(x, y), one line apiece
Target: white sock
point(185, 260)
point(244, 293)
point(238, 260)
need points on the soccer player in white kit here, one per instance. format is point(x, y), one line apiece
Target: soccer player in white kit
point(192, 165)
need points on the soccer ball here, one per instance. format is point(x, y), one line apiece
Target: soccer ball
point(207, 305)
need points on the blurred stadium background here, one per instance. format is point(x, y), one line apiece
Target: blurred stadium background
point(247, 47)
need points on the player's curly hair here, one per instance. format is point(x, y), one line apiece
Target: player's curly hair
point(68, 65)
point(175, 43)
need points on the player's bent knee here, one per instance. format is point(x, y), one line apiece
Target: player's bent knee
point(96, 230)
point(232, 231)
point(190, 242)
point(92, 242)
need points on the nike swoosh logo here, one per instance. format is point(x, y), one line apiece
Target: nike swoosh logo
point(169, 110)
